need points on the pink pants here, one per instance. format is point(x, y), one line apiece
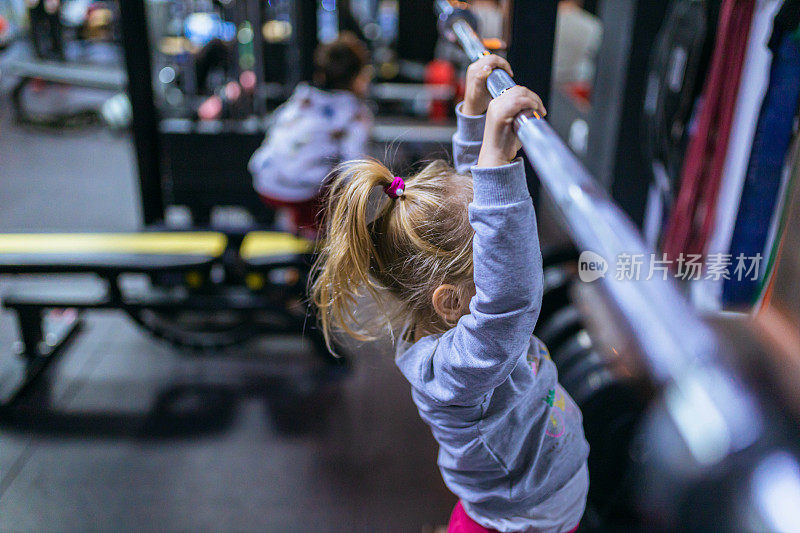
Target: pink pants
point(460, 522)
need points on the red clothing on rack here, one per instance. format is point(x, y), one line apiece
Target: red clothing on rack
point(691, 220)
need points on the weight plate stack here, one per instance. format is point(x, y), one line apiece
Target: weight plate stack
point(559, 327)
point(572, 350)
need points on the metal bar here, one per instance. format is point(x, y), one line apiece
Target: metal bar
point(145, 116)
point(31, 366)
point(660, 316)
point(256, 16)
point(669, 333)
point(411, 92)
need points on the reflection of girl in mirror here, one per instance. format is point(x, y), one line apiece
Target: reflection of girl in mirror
point(318, 127)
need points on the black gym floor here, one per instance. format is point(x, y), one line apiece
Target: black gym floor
point(128, 434)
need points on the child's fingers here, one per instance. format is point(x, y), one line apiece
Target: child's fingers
point(539, 105)
point(522, 98)
point(494, 61)
point(533, 99)
point(485, 65)
point(519, 99)
point(527, 100)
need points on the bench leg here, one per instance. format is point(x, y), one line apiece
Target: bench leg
point(37, 350)
point(31, 333)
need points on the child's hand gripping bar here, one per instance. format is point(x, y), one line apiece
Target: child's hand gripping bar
point(458, 23)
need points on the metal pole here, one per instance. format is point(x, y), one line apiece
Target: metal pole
point(530, 47)
point(256, 16)
point(305, 32)
point(145, 116)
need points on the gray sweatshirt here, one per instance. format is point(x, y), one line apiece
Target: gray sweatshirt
point(511, 440)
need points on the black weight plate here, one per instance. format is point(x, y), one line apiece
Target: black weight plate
point(572, 347)
point(607, 416)
point(598, 380)
point(559, 255)
point(565, 368)
point(574, 377)
point(560, 327)
point(610, 418)
point(555, 294)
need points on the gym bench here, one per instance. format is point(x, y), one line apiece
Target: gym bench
point(202, 290)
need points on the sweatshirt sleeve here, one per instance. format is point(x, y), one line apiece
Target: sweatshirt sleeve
point(477, 355)
point(467, 139)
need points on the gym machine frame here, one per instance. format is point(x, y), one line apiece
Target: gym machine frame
point(152, 136)
point(701, 396)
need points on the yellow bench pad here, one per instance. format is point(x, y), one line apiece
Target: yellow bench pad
point(271, 243)
point(210, 244)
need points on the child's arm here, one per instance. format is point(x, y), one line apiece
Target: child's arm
point(471, 113)
point(481, 351)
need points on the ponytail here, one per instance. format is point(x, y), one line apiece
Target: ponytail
point(381, 245)
point(343, 265)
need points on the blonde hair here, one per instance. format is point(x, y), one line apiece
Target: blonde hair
point(398, 251)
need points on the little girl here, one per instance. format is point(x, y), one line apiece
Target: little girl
point(455, 255)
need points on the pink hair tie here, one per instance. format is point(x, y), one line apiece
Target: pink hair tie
point(395, 189)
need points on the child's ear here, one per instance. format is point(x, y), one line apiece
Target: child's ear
point(448, 303)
